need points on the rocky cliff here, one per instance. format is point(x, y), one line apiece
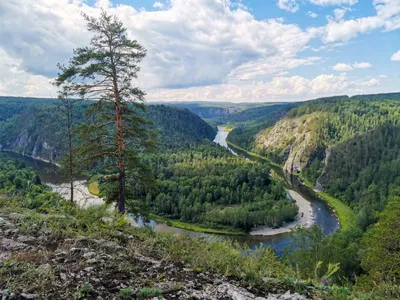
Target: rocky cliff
point(294, 138)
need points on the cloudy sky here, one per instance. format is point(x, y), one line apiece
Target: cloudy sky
point(230, 50)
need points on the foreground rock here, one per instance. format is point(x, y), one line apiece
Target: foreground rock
point(38, 267)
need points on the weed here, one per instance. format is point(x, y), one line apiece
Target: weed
point(150, 292)
point(83, 290)
point(126, 293)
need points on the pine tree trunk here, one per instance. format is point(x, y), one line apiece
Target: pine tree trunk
point(70, 162)
point(121, 146)
point(121, 200)
point(121, 162)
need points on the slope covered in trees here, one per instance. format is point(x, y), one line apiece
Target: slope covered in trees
point(364, 171)
point(249, 122)
point(206, 184)
point(36, 128)
point(196, 180)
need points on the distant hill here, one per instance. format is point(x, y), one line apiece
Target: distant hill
point(213, 111)
point(33, 127)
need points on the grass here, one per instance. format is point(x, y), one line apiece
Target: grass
point(254, 155)
point(227, 128)
point(194, 227)
point(345, 213)
point(150, 292)
point(251, 267)
point(94, 188)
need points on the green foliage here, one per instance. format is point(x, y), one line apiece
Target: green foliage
point(177, 127)
point(126, 293)
point(381, 246)
point(364, 171)
point(205, 184)
point(150, 292)
point(18, 181)
point(319, 258)
point(221, 256)
point(250, 122)
point(84, 290)
point(344, 212)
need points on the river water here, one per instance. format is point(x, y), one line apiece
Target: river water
point(324, 218)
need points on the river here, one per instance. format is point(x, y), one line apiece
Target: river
point(275, 238)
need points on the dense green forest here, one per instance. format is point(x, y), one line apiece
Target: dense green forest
point(196, 180)
point(200, 182)
point(18, 181)
point(364, 171)
point(205, 184)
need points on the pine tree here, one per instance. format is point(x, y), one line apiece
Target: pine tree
point(115, 131)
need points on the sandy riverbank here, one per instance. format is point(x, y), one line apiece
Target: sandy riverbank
point(82, 196)
point(305, 220)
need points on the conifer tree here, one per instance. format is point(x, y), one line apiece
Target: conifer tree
point(115, 131)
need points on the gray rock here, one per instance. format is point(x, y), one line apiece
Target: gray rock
point(236, 293)
point(63, 276)
point(28, 296)
point(91, 261)
point(88, 269)
point(11, 245)
point(89, 254)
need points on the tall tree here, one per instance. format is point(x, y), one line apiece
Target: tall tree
point(66, 108)
point(104, 71)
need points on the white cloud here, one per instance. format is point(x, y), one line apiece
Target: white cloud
point(158, 5)
point(215, 47)
point(371, 82)
point(333, 2)
point(293, 5)
point(189, 43)
point(289, 5)
point(14, 81)
point(396, 56)
point(362, 65)
point(340, 12)
point(278, 89)
point(387, 17)
point(342, 67)
point(270, 66)
point(312, 14)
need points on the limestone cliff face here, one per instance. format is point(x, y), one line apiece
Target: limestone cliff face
point(35, 132)
point(295, 139)
point(35, 145)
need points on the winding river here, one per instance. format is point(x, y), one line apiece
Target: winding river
point(312, 210)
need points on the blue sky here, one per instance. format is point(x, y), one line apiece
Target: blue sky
point(225, 50)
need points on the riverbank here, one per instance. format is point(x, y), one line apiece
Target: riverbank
point(345, 214)
point(193, 227)
point(252, 154)
point(82, 195)
point(304, 218)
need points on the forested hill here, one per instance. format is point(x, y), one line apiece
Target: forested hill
point(34, 127)
point(345, 146)
point(178, 125)
point(309, 130)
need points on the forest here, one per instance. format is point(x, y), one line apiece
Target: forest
point(195, 180)
point(207, 185)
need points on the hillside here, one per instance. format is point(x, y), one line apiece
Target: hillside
point(32, 127)
point(364, 171)
point(347, 147)
point(214, 112)
point(310, 129)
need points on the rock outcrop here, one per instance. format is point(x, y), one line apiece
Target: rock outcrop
point(97, 269)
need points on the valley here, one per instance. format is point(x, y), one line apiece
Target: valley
point(261, 179)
